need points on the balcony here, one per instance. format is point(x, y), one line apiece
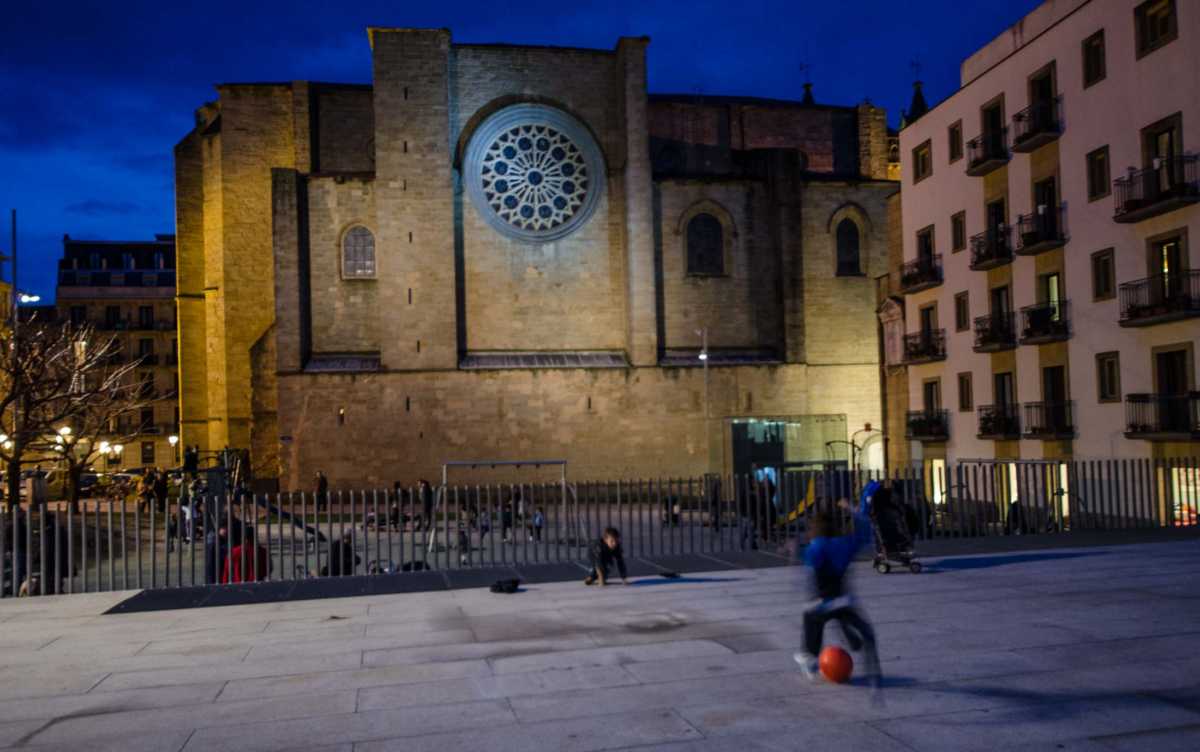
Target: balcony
point(1161, 298)
point(1049, 420)
point(928, 425)
point(925, 347)
point(921, 274)
point(999, 422)
point(991, 249)
point(1041, 231)
point(1172, 182)
point(987, 152)
point(1044, 322)
point(995, 333)
point(1037, 125)
point(1162, 417)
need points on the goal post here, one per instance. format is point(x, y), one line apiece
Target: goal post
point(569, 525)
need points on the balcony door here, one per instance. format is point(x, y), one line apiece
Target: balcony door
point(1000, 305)
point(995, 221)
point(932, 393)
point(1054, 397)
point(1166, 269)
point(1041, 99)
point(1045, 207)
point(1171, 372)
point(1051, 295)
point(1161, 143)
point(993, 129)
point(928, 322)
point(1004, 391)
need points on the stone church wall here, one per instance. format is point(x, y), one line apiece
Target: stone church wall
point(740, 309)
point(346, 313)
point(609, 423)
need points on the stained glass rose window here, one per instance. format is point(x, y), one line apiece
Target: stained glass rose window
point(534, 172)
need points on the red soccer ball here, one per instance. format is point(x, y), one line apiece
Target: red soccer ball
point(836, 664)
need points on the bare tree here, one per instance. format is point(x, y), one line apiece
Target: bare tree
point(55, 376)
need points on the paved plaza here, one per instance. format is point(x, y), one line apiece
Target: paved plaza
point(1072, 649)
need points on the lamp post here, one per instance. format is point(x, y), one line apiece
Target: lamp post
point(704, 361)
point(173, 440)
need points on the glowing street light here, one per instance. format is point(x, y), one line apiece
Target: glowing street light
point(173, 439)
point(26, 298)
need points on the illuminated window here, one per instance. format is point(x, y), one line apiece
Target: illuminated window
point(358, 253)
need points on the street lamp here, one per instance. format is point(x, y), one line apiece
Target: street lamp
point(25, 298)
point(173, 440)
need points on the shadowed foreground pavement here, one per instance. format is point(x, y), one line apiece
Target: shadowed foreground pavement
point(1085, 649)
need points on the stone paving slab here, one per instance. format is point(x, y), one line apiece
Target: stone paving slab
point(1083, 650)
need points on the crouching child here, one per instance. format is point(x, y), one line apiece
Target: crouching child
point(604, 555)
point(828, 556)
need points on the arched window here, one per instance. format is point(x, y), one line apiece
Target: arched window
point(705, 246)
point(358, 253)
point(847, 249)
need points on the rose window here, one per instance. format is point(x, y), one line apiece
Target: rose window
point(533, 172)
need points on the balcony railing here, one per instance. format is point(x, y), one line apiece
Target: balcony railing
point(1171, 182)
point(1049, 420)
point(995, 332)
point(925, 347)
point(1161, 298)
point(110, 278)
point(928, 425)
point(999, 422)
point(1044, 322)
point(1041, 231)
point(991, 249)
point(987, 152)
point(1162, 416)
point(1036, 125)
point(921, 274)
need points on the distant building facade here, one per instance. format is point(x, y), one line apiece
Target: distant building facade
point(1046, 304)
point(126, 289)
point(502, 252)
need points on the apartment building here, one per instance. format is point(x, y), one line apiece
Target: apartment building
point(1049, 285)
point(127, 289)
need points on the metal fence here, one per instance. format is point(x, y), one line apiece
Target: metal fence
point(242, 537)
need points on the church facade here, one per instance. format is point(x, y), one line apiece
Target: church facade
point(514, 253)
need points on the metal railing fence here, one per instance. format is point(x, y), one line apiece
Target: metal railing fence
point(117, 545)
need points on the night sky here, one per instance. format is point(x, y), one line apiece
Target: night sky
point(95, 94)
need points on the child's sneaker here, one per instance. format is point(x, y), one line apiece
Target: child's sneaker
point(808, 665)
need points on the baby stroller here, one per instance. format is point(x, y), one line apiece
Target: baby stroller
point(893, 537)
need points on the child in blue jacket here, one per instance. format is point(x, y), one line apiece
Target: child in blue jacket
point(829, 556)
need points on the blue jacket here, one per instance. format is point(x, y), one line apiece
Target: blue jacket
point(829, 558)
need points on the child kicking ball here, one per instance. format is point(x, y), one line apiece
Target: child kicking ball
point(828, 556)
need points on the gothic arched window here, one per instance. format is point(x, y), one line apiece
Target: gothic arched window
point(705, 246)
point(358, 253)
point(847, 249)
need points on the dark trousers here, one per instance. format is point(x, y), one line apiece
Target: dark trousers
point(858, 632)
point(601, 567)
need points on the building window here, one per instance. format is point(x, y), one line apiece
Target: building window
point(966, 396)
point(145, 347)
point(146, 317)
point(922, 162)
point(112, 315)
point(78, 315)
point(706, 246)
point(1103, 275)
point(147, 421)
point(847, 249)
point(1094, 65)
point(1099, 183)
point(1156, 25)
point(958, 231)
point(147, 452)
point(925, 244)
point(955, 139)
point(932, 395)
point(358, 253)
point(1108, 377)
point(962, 312)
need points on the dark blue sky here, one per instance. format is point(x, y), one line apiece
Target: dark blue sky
point(96, 94)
